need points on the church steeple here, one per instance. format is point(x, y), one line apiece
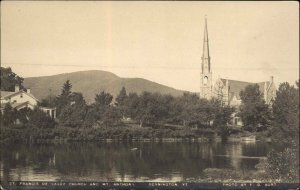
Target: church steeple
point(206, 74)
point(205, 55)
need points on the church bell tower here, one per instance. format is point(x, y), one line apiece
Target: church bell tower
point(206, 74)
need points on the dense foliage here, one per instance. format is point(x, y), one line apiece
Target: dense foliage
point(158, 111)
point(24, 116)
point(150, 110)
point(255, 113)
point(283, 163)
point(9, 115)
point(146, 109)
point(8, 79)
point(286, 112)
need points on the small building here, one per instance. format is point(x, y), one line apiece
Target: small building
point(50, 111)
point(19, 99)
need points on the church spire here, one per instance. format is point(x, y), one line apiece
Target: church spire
point(205, 55)
point(206, 73)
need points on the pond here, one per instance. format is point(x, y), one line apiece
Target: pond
point(126, 161)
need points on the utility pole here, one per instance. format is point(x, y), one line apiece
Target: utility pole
point(50, 96)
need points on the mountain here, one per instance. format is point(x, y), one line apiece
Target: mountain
point(92, 82)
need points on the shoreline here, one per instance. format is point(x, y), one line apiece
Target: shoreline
point(59, 134)
point(144, 140)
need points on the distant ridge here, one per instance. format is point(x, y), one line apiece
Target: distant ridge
point(94, 81)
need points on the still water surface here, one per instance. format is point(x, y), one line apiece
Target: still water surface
point(126, 161)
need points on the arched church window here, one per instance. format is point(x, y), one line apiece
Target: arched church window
point(205, 80)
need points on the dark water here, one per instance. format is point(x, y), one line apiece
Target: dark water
point(118, 162)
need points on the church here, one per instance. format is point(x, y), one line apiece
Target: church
point(228, 90)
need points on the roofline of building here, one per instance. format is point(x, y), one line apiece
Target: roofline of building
point(20, 91)
point(243, 81)
point(47, 107)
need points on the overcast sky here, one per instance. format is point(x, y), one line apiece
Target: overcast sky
point(158, 41)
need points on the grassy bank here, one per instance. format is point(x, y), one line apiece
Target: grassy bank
point(26, 133)
point(217, 175)
point(33, 134)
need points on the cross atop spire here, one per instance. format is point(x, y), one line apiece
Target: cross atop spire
point(205, 55)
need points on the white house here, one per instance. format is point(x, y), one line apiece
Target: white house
point(21, 99)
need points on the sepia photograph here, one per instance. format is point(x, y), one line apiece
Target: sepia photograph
point(149, 94)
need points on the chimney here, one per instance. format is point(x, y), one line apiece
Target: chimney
point(28, 90)
point(271, 79)
point(17, 88)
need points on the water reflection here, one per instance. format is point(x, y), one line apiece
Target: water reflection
point(125, 161)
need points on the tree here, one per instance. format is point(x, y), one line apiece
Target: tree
point(49, 101)
point(151, 108)
point(102, 111)
point(189, 108)
point(132, 105)
point(1, 119)
point(103, 99)
point(8, 79)
point(64, 98)
point(121, 100)
point(40, 119)
point(9, 115)
point(91, 117)
point(283, 162)
point(283, 165)
point(219, 92)
point(111, 116)
point(143, 112)
point(255, 113)
point(175, 111)
point(206, 111)
point(167, 109)
point(66, 90)
point(286, 111)
point(73, 114)
point(222, 116)
point(24, 115)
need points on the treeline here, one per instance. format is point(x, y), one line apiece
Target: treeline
point(281, 118)
point(146, 109)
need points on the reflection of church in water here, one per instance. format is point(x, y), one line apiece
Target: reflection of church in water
point(225, 89)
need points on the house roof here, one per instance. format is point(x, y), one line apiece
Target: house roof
point(235, 87)
point(3, 94)
point(7, 94)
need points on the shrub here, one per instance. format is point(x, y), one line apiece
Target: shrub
point(283, 165)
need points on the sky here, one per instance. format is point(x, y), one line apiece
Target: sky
point(158, 41)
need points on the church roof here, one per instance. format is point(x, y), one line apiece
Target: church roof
point(235, 87)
